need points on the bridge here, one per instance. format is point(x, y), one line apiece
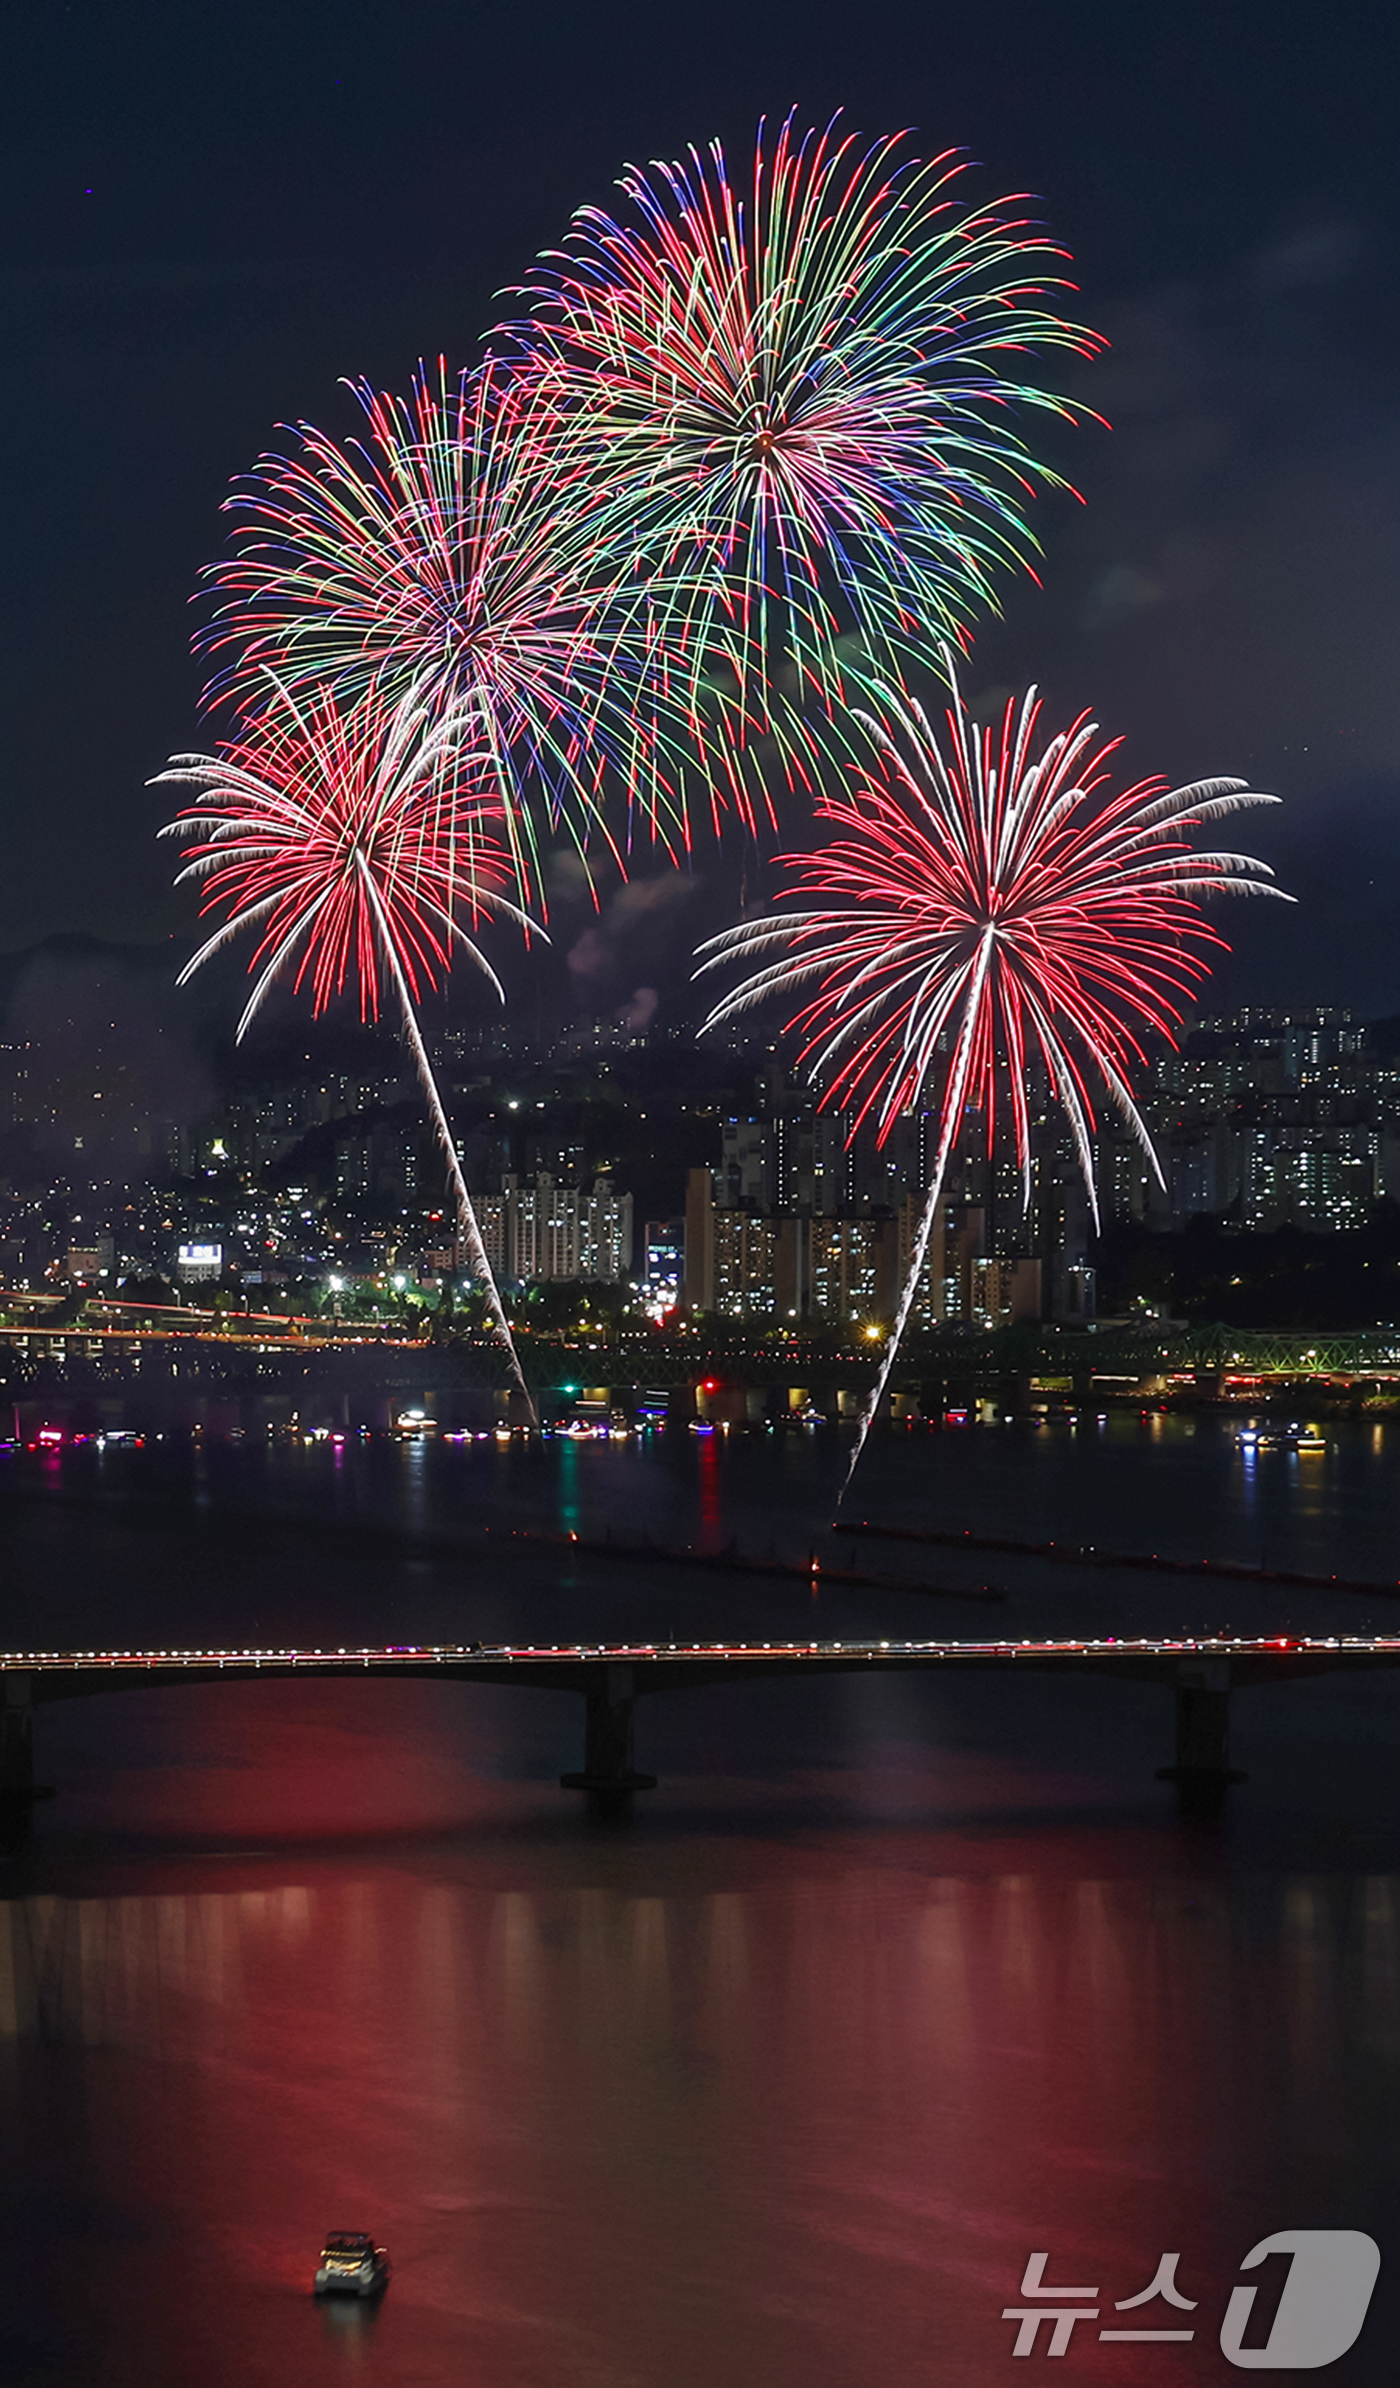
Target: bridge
point(1201, 1673)
point(355, 1375)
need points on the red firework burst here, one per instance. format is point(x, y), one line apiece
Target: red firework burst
point(347, 842)
point(987, 906)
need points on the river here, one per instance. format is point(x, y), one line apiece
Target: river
point(889, 1985)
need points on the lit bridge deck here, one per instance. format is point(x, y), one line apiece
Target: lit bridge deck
point(1202, 1673)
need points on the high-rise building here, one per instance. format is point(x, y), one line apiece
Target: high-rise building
point(541, 1230)
point(803, 1265)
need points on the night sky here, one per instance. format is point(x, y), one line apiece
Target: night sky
point(211, 213)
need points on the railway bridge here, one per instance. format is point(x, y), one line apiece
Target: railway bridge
point(354, 1377)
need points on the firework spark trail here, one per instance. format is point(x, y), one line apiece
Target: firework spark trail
point(804, 395)
point(1006, 899)
point(466, 1214)
point(453, 552)
point(344, 839)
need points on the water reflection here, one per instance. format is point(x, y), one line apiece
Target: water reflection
point(346, 2324)
point(805, 2129)
point(758, 2093)
point(567, 1509)
point(708, 1452)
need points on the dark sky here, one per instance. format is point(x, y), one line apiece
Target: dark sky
point(210, 213)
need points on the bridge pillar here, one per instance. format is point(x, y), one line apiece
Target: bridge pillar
point(608, 1774)
point(1202, 1772)
point(17, 1792)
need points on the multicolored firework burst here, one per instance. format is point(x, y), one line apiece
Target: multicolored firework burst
point(803, 395)
point(344, 839)
point(989, 908)
point(453, 552)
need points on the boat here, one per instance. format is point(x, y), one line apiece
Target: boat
point(351, 2265)
point(1306, 1440)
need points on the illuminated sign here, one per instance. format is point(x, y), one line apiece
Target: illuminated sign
point(196, 1263)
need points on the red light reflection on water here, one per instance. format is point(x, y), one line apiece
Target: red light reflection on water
point(797, 2117)
point(791, 2101)
point(708, 1462)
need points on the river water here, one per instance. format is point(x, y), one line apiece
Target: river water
point(887, 1986)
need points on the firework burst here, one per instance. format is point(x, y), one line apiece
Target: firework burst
point(987, 906)
point(803, 394)
point(344, 841)
point(452, 553)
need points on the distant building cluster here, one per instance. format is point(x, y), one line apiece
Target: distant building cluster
point(541, 1230)
point(1264, 1119)
point(808, 1217)
point(330, 1180)
point(840, 1267)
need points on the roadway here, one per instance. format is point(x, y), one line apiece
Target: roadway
point(662, 1666)
point(1201, 1672)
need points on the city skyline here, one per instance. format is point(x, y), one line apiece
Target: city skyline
point(726, 1192)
